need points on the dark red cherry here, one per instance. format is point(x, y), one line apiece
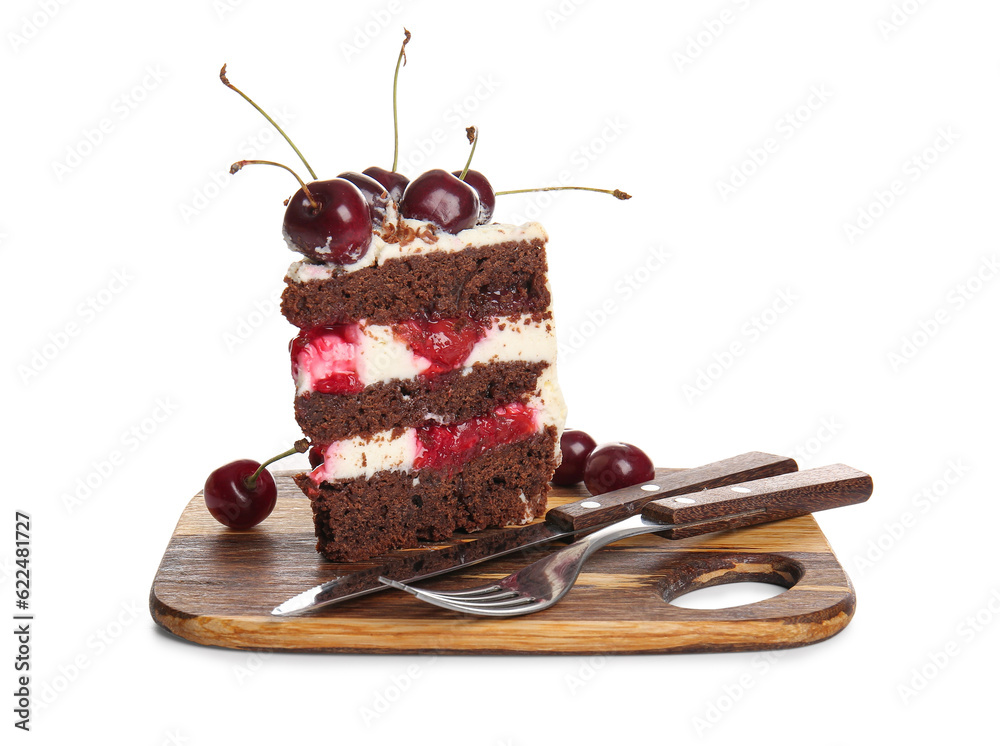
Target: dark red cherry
point(576, 446)
point(393, 181)
point(438, 197)
point(234, 504)
point(316, 456)
point(334, 227)
point(375, 194)
point(487, 199)
point(613, 466)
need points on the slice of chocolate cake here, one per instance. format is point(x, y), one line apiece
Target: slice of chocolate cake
point(425, 375)
point(425, 361)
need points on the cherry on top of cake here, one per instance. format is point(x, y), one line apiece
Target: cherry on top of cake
point(333, 221)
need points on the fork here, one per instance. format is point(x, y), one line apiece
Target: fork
point(543, 583)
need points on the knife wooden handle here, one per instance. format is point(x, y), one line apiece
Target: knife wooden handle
point(760, 501)
point(620, 504)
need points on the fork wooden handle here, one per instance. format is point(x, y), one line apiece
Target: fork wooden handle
point(620, 504)
point(760, 501)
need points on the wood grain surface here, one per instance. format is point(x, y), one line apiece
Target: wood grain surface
point(216, 586)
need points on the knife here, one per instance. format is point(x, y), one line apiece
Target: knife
point(415, 565)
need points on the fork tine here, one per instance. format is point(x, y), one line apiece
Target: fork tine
point(524, 605)
point(497, 595)
point(513, 599)
point(481, 592)
point(493, 611)
point(491, 606)
point(477, 592)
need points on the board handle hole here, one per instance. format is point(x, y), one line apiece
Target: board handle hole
point(729, 582)
point(738, 593)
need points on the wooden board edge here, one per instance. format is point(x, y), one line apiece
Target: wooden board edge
point(438, 637)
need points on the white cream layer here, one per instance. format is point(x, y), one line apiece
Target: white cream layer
point(396, 450)
point(429, 239)
point(380, 355)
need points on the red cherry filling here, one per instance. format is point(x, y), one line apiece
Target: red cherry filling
point(453, 445)
point(438, 197)
point(446, 343)
point(328, 354)
point(335, 226)
point(325, 359)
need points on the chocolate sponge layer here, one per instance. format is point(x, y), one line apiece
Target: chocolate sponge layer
point(503, 279)
point(357, 519)
point(455, 396)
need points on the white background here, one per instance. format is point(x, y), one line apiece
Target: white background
point(852, 369)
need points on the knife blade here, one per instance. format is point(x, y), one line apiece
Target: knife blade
point(415, 565)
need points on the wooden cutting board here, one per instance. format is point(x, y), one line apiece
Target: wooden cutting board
point(216, 586)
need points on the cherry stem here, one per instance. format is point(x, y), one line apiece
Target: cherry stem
point(473, 134)
point(225, 82)
point(301, 446)
point(240, 164)
point(616, 193)
point(401, 60)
